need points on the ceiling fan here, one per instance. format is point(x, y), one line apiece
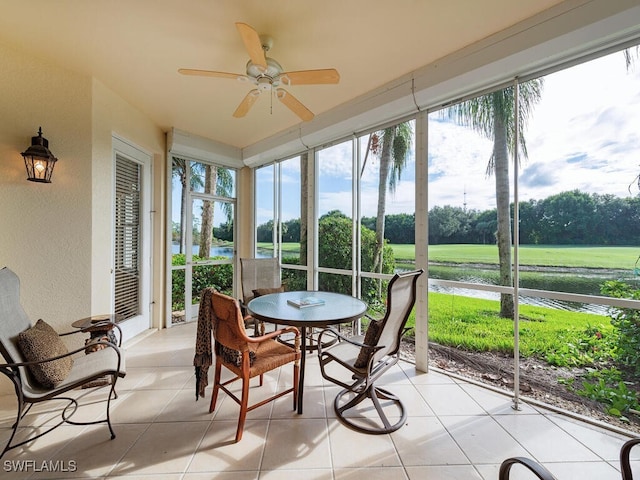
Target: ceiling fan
point(267, 75)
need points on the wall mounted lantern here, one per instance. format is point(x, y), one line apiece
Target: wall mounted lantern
point(38, 160)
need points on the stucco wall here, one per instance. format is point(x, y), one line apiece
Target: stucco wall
point(114, 116)
point(45, 233)
point(57, 237)
point(46, 228)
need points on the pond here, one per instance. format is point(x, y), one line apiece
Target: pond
point(216, 251)
point(586, 281)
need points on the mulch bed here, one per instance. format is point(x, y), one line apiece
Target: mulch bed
point(538, 380)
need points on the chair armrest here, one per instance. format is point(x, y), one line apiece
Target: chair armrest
point(342, 336)
point(68, 354)
point(332, 331)
point(273, 334)
point(539, 471)
point(625, 452)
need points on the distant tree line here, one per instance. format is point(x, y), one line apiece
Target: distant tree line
point(567, 218)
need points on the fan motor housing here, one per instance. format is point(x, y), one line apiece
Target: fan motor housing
point(273, 70)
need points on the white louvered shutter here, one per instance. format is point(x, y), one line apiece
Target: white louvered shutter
point(127, 235)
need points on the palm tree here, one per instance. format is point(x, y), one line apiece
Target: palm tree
point(630, 56)
point(217, 181)
point(391, 145)
point(494, 116)
point(304, 191)
point(179, 171)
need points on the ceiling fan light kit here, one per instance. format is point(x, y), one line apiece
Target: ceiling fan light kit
point(266, 74)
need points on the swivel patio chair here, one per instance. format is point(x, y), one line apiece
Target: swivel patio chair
point(543, 474)
point(366, 358)
point(40, 366)
point(247, 357)
point(258, 276)
point(534, 467)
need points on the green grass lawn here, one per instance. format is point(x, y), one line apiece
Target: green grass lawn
point(557, 336)
point(544, 255)
point(560, 337)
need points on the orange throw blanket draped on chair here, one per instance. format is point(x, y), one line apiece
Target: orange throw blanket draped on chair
point(204, 355)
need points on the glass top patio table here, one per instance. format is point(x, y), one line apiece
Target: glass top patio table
point(337, 308)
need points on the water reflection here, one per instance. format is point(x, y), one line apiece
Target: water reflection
point(524, 300)
point(566, 280)
point(216, 251)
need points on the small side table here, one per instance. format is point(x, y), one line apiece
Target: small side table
point(98, 331)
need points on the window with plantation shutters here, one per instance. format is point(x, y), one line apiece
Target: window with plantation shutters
point(127, 237)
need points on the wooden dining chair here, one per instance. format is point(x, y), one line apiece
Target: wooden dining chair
point(367, 357)
point(248, 357)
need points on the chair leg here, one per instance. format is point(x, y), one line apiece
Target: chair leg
point(111, 393)
point(66, 415)
point(8, 446)
point(244, 403)
point(373, 393)
point(625, 464)
point(216, 387)
point(296, 380)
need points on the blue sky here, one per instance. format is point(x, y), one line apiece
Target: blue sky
point(584, 134)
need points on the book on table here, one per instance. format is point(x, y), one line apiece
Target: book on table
point(305, 302)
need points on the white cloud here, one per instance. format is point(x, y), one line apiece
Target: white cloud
point(584, 134)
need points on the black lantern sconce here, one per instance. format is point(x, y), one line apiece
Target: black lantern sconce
point(39, 160)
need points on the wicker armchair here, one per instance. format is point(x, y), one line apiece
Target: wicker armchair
point(247, 357)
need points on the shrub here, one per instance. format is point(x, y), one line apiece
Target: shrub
point(627, 322)
point(219, 277)
point(293, 279)
point(335, 250)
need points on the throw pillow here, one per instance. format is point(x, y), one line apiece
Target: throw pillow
point(266, 291)
point(370, 338)
point(40, 342)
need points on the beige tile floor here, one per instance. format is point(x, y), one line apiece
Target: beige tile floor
point(455, 430)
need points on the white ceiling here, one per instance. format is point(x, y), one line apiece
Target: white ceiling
point(135, 48)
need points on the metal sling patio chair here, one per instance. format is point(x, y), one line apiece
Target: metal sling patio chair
point(368, 357)
point(15, 329)
point(543, 474)
point(258, 276)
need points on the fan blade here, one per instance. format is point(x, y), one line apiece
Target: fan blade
point(294, 104)
point(209, 73)
point(252, 43)
point(247, 103)
point(311, 77)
